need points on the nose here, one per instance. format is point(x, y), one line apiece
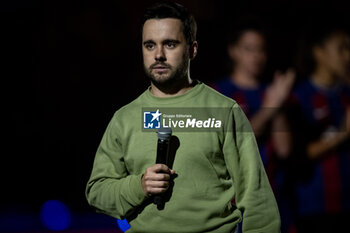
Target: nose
point(160, 55)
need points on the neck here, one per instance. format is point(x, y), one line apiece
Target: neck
point(323, 78)
point(177, 88)
point(244, 79)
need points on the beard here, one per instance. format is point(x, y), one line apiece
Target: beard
point(168, 80)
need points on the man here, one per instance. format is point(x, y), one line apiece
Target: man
point(210, 167)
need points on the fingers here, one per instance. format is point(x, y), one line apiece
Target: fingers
point(156, 179)
point(157, 176)
point(155, 187)
point(158, 184)
point(283, 82)
point(160, 168)
point(286, 78)
point(278, 91)
point(290, 76)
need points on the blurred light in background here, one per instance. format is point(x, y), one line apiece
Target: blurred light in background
point(55, 215)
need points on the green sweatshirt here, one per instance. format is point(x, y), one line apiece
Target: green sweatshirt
point(213, 167)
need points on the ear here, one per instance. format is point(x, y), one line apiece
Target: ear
point(193, 50)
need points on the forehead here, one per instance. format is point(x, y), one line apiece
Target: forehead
point(251, 37)
point(160, 29)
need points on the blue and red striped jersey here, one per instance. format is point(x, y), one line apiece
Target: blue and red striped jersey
point(326, 188)
point(249, 100)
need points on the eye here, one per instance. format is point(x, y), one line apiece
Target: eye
point(149, 46)
point(171, 45)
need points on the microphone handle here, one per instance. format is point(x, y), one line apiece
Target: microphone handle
point(162, 157)
point(162, 151)
point(158, 200)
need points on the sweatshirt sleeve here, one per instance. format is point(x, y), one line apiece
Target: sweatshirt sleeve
point(254, 196)
point(110, 189)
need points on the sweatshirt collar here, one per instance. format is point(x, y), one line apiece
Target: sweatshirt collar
point(174, 99)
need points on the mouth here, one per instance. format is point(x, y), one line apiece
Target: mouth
point(160, 68)
point(159, 65)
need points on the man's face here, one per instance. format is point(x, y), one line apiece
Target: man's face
point(165, 51)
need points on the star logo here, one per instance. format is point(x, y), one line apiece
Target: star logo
point(156, 115)
point(151, 120)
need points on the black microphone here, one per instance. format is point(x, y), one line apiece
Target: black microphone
point(164, 135)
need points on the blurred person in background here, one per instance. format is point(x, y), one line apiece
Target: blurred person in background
point(322, 130)
point(262, 103)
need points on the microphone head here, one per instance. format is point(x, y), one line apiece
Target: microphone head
point(164, 133)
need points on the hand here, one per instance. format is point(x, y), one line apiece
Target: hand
point(277, 92)
point(156, 179)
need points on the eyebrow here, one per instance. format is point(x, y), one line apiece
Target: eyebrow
point(148, 42)
point(171, 41)
point(164, 42)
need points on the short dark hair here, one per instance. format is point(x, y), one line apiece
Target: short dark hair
point(316, 32)
point(242, 25)
point(169, 9)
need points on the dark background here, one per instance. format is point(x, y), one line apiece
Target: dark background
point(69, 65)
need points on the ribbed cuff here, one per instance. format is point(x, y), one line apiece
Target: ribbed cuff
point(136, 191)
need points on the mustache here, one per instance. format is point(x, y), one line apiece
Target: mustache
point(160, 64)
